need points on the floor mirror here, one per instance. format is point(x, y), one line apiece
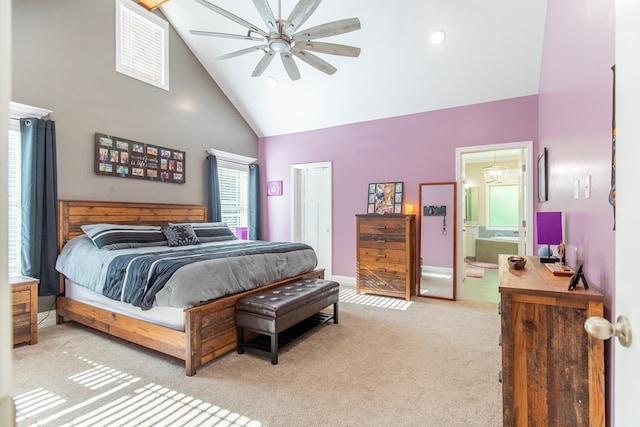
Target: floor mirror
point(437, 241)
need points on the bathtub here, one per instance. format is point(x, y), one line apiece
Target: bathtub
point(488, 249)
point(506, 238)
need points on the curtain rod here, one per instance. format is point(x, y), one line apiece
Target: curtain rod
point(231, 157)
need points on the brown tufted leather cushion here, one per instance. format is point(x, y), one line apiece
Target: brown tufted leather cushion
point(277, 309)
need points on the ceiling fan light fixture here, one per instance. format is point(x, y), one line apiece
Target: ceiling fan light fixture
point(438, 37)
point(279, 45)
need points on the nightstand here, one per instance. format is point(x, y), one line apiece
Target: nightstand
point(24, 302)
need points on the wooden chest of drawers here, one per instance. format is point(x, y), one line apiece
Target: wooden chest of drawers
point(24, 304)
point(386, 255)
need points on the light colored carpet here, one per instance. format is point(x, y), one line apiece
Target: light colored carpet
point(422, 363)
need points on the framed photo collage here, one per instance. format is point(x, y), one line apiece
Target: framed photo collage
point(115, 156)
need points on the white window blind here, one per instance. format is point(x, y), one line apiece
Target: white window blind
point(233, 176)
point(14, 201)
point(234, 195)
point(142, 44)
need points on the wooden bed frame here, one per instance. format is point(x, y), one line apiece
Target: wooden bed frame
point(210, 328)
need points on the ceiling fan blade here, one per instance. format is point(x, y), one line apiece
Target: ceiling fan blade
point(290, 66)
point(240, 52)
point(299, 15)
point(233, 17)
point(267, 15)
point(330, 48)
point(314, 61)
point(263, 63)
point(329, 29)
point(225, 35)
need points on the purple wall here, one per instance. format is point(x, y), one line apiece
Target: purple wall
point(437, 248)
point(415, 149)
point(575, 109)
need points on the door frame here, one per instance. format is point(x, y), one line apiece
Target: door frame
point(527, 176)
point(296, 207)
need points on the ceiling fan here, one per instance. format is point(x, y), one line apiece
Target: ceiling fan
point(283, 37)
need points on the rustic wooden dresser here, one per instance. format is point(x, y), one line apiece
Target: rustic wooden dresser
point(552, 370)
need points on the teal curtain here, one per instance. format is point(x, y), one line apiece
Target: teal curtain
point(39, 192)
point(254, 202)
point(213, 190)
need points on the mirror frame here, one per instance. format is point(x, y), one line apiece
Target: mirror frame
point(454, 234)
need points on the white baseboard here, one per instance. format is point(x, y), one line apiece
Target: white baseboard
point(437, 269)
point(344, 280)
point(46, 318)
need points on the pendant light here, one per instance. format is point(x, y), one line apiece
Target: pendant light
point(494, 173)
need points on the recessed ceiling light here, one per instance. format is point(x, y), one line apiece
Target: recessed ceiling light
point(272, 81)
point(438, 37)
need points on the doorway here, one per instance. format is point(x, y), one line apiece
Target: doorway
point(311, 216)
point(484, 234)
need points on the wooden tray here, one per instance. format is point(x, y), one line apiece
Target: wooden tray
point(560, 270)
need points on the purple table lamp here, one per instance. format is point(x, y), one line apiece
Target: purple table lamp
point(549, 232)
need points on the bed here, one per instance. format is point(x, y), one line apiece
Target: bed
point(200, 333)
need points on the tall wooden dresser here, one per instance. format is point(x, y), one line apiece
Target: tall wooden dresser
point(386, 255)
point(552, 370)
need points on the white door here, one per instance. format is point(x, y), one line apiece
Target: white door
point(627, 290)
point(312, 210)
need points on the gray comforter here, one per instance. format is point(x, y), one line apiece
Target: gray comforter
point(184, 276)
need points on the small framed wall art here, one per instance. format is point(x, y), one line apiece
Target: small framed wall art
point(385, 198)
point(543, 176)
point(274, 188)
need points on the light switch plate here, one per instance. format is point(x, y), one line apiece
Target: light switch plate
point(576, 189)
point(587, 187)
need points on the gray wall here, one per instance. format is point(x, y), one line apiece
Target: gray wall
point(64, 61)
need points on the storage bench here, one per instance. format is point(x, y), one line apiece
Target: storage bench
point(285, 309)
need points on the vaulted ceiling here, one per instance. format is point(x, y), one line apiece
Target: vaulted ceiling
point(492, 51)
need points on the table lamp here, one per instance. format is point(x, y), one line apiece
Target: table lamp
point(549, 232)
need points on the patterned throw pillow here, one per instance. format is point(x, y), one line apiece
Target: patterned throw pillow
point(180, 235)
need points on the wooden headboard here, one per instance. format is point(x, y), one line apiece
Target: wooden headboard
point(74, 213)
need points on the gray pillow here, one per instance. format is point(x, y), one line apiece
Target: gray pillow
point(118, 236)
point(211, 231)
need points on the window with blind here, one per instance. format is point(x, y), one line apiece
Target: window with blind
point(502, 207)
point(14, 202)
point(234, 193)
point(142, 44)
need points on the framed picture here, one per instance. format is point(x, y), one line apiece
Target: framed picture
point(274, 188)
point(385, 198)
point(123, 158)
point(542, 176)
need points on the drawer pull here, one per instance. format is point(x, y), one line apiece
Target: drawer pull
point(382, 270)
point(381, 241)
point(381, 227)
point(381, 256)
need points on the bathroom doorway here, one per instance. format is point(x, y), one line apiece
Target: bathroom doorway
point(495, 202)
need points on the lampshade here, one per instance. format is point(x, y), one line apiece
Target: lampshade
point(549, 228)
point(494, 173)
point(549, 232)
